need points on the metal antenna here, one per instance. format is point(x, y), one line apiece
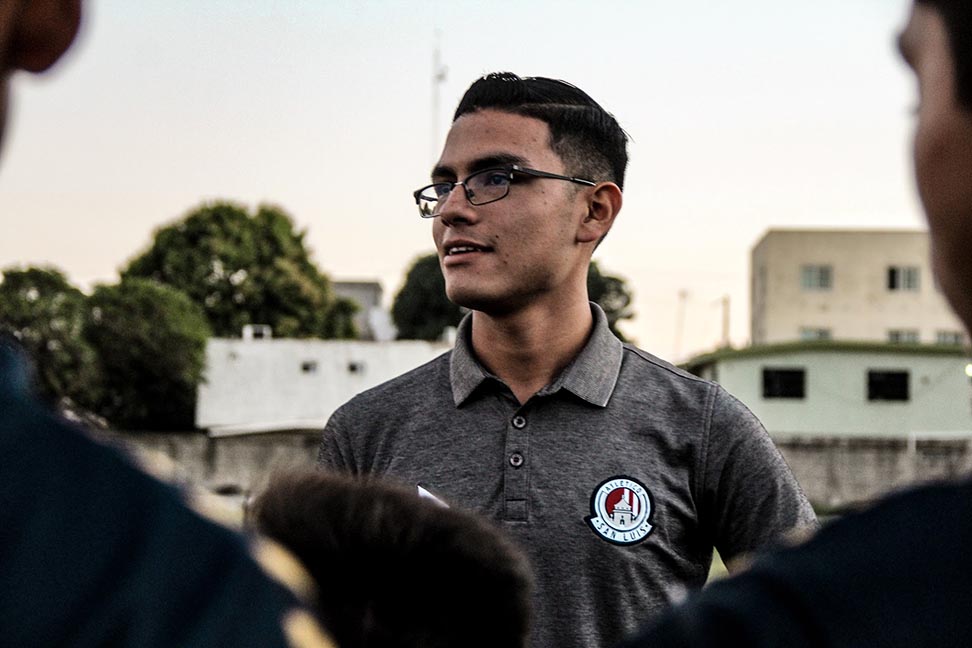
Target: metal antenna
point(680, 323)
point(725, 322)
point(439, 72)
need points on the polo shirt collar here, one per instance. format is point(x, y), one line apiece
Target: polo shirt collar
point(591, 376)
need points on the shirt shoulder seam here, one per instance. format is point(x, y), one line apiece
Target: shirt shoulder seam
point(664, 366)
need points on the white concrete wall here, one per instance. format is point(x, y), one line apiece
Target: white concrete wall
point(260, 382)
point(859, 306)
point(835, 402)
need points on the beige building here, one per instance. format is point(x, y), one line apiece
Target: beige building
point(865, 285)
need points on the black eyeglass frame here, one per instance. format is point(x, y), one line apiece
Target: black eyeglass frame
point(510, 170)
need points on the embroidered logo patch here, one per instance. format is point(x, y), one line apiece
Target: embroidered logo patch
point(621, 511)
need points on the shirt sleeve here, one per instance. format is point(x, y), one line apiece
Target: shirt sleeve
point(749, 497)
point(335, 453)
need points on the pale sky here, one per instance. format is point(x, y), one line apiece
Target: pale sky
point(743, 116)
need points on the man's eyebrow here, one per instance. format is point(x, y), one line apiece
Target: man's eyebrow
point(441, 171)
point(486, 162)
point(496, 160)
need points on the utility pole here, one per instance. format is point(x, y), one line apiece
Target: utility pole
point(680, 323)
point(439, 72)
point(725, 322)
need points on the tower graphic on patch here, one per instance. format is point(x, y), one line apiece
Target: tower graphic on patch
point(621, 510)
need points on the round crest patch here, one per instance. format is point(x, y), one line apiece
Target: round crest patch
point(621, 511)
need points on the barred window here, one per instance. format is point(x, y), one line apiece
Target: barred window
point(816, 277)
point(903, 336)
point(904, 278)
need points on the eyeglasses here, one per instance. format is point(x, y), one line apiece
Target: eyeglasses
point(482, 187)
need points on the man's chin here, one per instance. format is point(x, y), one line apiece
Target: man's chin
point(465, 298)
point(472, 299)
point(487, 304)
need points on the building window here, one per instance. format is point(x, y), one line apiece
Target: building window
point(808, 333)
point(783, 383)
point(887, 385)
point(952, 338)
point(816, 277)
point(903, 336)
point(308, 366)
point(903, 278)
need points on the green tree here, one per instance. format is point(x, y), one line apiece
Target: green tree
point(151, 339)
point(41, 309)
point(246, 269)
point(611, 294)
point(421, 310)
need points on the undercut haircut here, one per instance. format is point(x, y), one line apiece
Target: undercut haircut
point(586, 137)
point(957, 15)
point(395, 570)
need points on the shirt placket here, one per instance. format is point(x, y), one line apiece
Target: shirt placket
point(517, 466)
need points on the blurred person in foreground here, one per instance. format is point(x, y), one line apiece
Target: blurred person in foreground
point(614, 470)
point(896, 574)
point(395, 570)
point(94, 552)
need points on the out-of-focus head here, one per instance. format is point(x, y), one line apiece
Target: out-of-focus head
point(957, 18)
point(33, 36)
point(937, 44)
point(587, 138)
point(397, 571)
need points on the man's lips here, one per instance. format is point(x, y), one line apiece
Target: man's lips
point(454, 252)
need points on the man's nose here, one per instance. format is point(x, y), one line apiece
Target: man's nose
point(456, 207)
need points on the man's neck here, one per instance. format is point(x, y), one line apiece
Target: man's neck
point(528, 349)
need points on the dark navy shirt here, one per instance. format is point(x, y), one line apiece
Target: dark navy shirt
point(894, 576)
point(93, 552)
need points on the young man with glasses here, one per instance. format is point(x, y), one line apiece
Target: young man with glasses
point(898, 573)
point(614, 470)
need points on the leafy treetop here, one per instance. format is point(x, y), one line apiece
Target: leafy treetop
point(246, 269)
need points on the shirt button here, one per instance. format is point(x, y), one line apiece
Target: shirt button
point(516, 460)
point(519, 422)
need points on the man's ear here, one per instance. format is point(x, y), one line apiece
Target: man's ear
point(602, 208)
point(44, 31)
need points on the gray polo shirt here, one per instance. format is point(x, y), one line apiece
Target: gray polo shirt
point(617, 479)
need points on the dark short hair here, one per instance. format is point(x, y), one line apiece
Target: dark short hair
point(586, 137)
point(957, 15)
point(396, 571)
